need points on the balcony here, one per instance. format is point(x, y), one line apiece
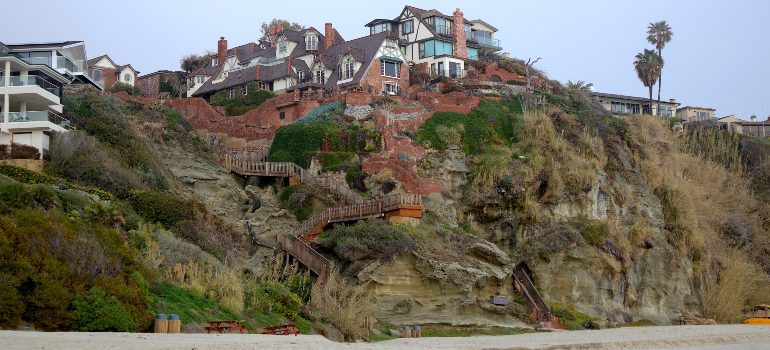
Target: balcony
point(29, 80)
point(484, 41)
point(72, 67)
point(39, 116)
point(444, 30)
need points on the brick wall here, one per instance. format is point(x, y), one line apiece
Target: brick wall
point(375, 78)
point(150, 85)
point(506, 75)
point(110, 77)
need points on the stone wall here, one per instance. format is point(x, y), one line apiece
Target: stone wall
point(32, 164)
point(78, 89)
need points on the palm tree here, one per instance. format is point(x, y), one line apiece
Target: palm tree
point(648, 65)
point(659, 35)
point(577, 86)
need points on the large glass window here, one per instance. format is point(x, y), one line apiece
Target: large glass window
point(625, 108)
point(377, 28)
point(390, 69)
point(442, 26)
point(435, 48)
point(473, 53)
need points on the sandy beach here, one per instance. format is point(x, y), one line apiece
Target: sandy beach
point(672, 337)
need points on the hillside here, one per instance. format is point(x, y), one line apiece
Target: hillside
point(612, 218)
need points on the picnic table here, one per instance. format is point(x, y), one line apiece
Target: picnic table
point(229, 326)
point(282, 330)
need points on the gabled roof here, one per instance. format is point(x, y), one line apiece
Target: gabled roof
point(120, 68)
point(94, 61)
point(484, 23)
point(161, 72)
point(247, 75)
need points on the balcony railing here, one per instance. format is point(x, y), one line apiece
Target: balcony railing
point(39, 116)
point(485, 41)
point(444, 29)
point(64, 62)
point(456, 73)
point(28, 80)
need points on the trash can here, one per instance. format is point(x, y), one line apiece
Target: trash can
point(417, 332)
point(161, 323)
point(174, 324)
point(407, 332)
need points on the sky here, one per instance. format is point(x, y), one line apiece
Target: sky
point(719, 56)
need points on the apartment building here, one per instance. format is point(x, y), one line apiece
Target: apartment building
point(31, 92)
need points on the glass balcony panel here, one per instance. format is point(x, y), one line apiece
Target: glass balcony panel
point(28, 80)
point(38, 116)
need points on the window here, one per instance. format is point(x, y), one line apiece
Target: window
point(442, 26)
point(244, 89)
point(467, 31)
point(347, 69)
point(666, 111)
point(127, 77)
point(282, 45)
point(98, 74)
point(262, 85)
point(625, 108)
point(378, 28)
point(320, 76)
point(702, 116)
point(232, 92)
point(435, 48)
point(201, 79)
point(473, 53)
point(390, 69)
point(390, 87)
point(408, 27)
point(311, 42)
point(282, 115)
point(300, 75)
point(214, 62)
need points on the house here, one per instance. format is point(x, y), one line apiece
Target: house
point(163, 83)
point(31, 92)
point(696, 114)
point(104, 70)
point(445, 43)
point(306, 60)
point(731, 123)
point(754, 127)
point(66, 57)
point(621, 105)
point(196, 79)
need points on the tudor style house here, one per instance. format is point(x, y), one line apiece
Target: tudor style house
point(307, 60)
point(31, 90)
point(444, 43)
point(621, 105)
point(104, 70)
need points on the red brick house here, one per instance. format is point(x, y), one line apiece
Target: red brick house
point(106, 72)
point(307, 60)
point(163, 83)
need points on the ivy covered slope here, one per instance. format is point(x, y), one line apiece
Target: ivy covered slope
point(107, 237)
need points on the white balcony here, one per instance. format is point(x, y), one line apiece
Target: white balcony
point(35, 120)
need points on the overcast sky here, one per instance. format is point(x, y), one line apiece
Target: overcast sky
point(719, 56)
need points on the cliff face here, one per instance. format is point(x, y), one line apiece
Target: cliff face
point(616, 279)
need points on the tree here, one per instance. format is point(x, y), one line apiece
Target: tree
point(423, 78)
point(648, 65)
point(387, 104)
point(577, 86)
point(265, 29)
point(659, 35)
point(193, 62)
point(178, 84)
point(528, 68)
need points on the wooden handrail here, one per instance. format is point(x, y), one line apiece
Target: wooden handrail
point(532, 295)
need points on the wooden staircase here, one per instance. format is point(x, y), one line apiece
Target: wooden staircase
point(253, 162)
point(540, 310)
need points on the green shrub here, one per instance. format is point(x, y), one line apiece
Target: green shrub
point(128, 88)
point(172, 117)
point(241, 104)
point(365, 240)
point(95, 312)
point(296, 142)
point(14, 196)
point(495, 78)
point(166, 209)
point(331, 112)
point(593, 231)
point(192, 307)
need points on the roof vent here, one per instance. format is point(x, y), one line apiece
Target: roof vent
point(753, 118)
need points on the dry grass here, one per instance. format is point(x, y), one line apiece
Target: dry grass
point(490, 167)
point(343, 306)
point(215, 282)
point(703, 185)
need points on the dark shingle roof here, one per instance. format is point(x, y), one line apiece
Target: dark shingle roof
point(94, 61)
point(247, 75)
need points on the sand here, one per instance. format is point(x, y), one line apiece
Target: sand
point(672, 337)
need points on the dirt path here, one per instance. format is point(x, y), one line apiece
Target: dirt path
point(673, 337)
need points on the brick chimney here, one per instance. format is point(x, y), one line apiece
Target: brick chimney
point(272, 32)
point(328, 36)
point(459, 34)
point(673, 100)
point(221, 52)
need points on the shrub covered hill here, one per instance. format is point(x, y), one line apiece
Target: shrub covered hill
point(615, 218)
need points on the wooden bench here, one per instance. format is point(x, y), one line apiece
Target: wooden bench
point(222, 326)
point(282, 330)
